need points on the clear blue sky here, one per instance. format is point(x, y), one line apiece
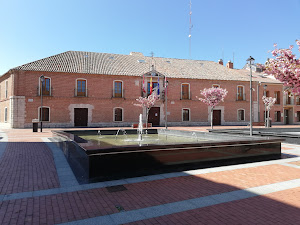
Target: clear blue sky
point(35, 29)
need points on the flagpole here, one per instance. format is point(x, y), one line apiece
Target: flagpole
point(166, 103)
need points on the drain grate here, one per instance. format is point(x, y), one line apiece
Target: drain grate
point(116, 188)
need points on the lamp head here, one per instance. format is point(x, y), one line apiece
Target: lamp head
point(42, 78)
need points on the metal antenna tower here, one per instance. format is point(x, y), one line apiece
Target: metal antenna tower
point(190, 31)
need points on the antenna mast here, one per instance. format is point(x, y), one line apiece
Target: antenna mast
point(190, 31)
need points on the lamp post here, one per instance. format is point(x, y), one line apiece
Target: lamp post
point(166, 102)
point(250, 60)
point(42, 79)
point(265, 114)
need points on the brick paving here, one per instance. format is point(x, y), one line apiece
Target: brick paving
point(27, 165)
point(281, 207)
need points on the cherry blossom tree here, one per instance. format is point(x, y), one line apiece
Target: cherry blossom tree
point(147, 103)
point(285, 67)
point(212, 97)
point(269, 102)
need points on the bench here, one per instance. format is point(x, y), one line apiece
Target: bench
point(136, 125)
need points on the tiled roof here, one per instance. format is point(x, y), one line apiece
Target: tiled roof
point(136, 65)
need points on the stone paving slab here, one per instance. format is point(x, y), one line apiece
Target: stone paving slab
point(174, 198)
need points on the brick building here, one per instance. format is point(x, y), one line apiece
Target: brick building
point(99, 89)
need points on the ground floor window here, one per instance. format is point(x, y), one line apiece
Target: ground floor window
point(5, 114)
point(277, 116)
point(118, 112)
point(185, 115)
point(241, 115)
point(298, 116)
point(44, 114)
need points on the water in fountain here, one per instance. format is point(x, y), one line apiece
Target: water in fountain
point(140, 128)
point(99, 133)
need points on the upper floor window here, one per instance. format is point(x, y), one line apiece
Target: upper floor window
point(45, 86)
point(215, 85)
point(241, 115)
point(267, 94)
point(81, 88)
point(6, 89)
point(45, 114)
point(118, 89)
point(185, 91)
point(185, 115)
point(118, 114)
point(288, 98)
point(240, 93)
point(277, 96)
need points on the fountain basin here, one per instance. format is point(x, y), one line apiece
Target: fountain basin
point(93, 157)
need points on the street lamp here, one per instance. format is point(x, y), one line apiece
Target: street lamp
point(166, 102)
point(250, 60)
point(265, 114)
point(42, 79)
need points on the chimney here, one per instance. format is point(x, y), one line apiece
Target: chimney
point(229, 65)
point(220, 62)
point(136, 54)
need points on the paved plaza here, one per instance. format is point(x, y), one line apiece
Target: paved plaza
point(37, 186)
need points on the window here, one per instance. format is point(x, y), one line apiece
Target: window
point(288, 98)
point(5, 114)
point(118, 89)
point(81, 88)
point(277, 116)
point(154, 85)
point(298, 116)
point(118, 114)
point(45, 114)
point(241, 115)
point(297, 100)
point(185, 115)
point(240, 93)
point(185, 91)
point(6, 89)
point(215, 85)
point(267, 94)
point(46, 86)
point(277, 96)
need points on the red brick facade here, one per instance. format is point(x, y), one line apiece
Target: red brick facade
point(23, 100)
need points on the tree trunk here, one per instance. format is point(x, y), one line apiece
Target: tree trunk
point(268, 119)
point(211, 117)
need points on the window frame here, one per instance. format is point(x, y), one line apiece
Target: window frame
point(237, 93)
point(189, 114)
point(114, 89)
point(40, 89)
point(189, 91)
point(277, 102)
point(114, 114)
point(6, 89)
point(39, 115)
point(153, 86)
point(5, 115)
point(238, 118)
point(276, 116)
point(76, 87)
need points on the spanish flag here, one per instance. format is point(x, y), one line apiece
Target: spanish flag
point(151, 88)
point(144, 87)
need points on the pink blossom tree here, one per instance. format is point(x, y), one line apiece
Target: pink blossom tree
point(285, 67)
point(269, 102)
point(212, 97)
point(146, 103)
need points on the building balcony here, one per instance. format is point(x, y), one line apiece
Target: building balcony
point(240, 97)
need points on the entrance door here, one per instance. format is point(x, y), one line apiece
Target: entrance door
point(286, 116)
point(80, 117)
point(216, 117)
point(154, 116)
